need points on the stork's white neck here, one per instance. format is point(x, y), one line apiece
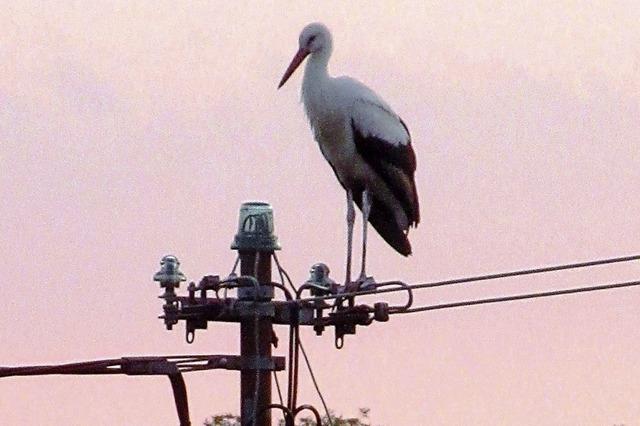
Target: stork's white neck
point(316, 67)
point(316, 77)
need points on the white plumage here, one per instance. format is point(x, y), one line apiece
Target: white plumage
point(365, 142)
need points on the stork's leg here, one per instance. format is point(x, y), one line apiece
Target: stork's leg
point(366, 209)
point(351, 217)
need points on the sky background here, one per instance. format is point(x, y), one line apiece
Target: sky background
point(133, 129)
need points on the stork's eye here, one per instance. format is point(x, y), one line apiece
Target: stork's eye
point(311, 39)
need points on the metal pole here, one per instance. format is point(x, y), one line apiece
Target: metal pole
point(256, 333)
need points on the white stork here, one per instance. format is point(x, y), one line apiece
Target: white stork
point(365, 142)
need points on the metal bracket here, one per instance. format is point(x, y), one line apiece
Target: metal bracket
point(251, 309)
point(261, 363)
point(170, 366)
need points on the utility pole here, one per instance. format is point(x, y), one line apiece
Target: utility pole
point(256, 243)
point(256, 333)
point(256, 311)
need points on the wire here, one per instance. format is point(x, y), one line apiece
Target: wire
point(275, 377)
point(296, 366)
point(294, 343)
point(283, 273)
point(275, 258)
point(290, 380)
point(520, 297)
point(315, 383)
point(297, 343)
point(529, 271)
point(395, 286)
point(476, 278)
point(235, 266)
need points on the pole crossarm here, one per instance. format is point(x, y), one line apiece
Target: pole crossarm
point(147, 366)
point(171, 366)
point(233, 310)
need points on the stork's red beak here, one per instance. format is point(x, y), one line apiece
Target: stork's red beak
point(295, 63)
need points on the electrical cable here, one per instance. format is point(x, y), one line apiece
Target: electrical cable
point(275, 258)
point(235, 266)
point(532, 271)
point(275, 377)
point(290, 369)
point(298, 343)
point(474, 278)
point(315, 383)
point(519, 297)
point(296, 366)
point(291, 381)
point(283, 273)
point(294, 342)
point(395, 286)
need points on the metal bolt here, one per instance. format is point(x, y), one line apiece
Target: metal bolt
point(381, 311)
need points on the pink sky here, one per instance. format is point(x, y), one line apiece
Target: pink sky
point(129, 130)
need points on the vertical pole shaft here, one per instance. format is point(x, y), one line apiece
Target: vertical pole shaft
point(255, 346)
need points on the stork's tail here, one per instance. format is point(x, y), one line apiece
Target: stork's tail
point(384, 221)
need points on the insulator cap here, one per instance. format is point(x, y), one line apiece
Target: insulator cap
point(255, 228)
point(169, 272)
point(319, 280)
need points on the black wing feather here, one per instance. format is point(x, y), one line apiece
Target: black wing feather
point(396, 165)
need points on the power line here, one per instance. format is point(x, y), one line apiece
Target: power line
point(476, 278)
point(283, 273)
point(315, 383)
point(284, 277)
point(528, 271)
point(275, 376)
point(519, 297)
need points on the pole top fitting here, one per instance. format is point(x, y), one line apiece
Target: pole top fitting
point(169, 273)
point(255, 228)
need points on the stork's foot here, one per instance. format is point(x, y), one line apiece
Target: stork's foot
point(365, 283)
point(352, 286)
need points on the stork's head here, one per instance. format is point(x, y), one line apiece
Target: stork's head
point(315, 40)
